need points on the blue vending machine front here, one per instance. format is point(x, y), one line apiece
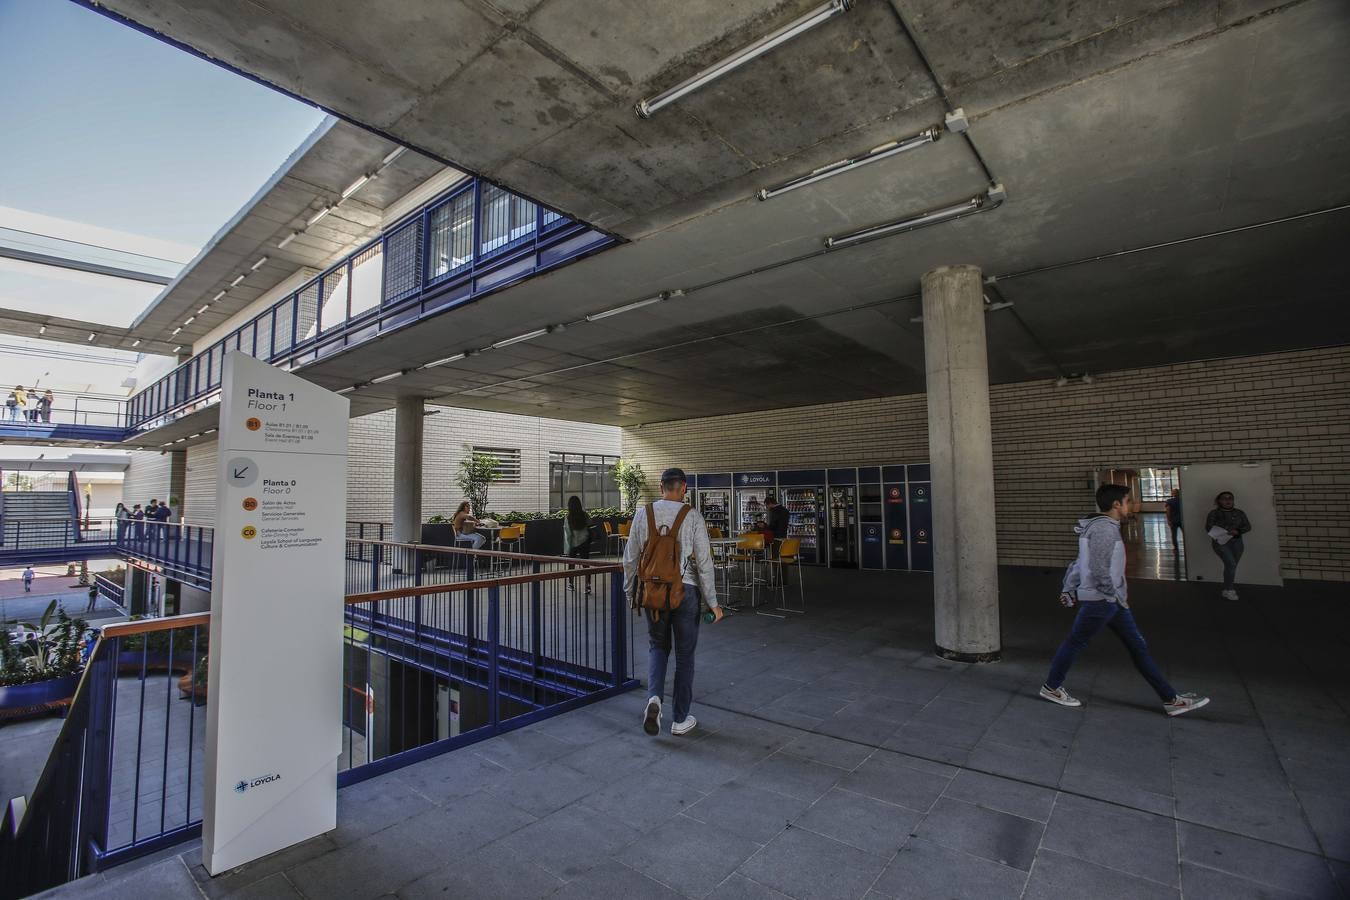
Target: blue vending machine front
point(870, 517)
point(714, 500)
point(802, 492)
point(895, 497)
point(920, 520)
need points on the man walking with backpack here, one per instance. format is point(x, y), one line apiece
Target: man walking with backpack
point(1095, 583)
point(668, 573)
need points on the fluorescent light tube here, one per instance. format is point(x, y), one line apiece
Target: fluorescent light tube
point(136, 343)
point(217, 296)
point(347, 390)
point(287, 239)
point(979, 203)
point(392, 155)
point(175, 331)
point(527, 336)
point(237, 280)
point(383, 378)
point(194, 436)
point(320, 214)
point(258, 265)
point(441, 362)
point(627, 307)
point(189, 320)
point(815, 17)
point(42, 329)
point(205, 307)
point(885, 151)
point(92, 335)
point(355, 186)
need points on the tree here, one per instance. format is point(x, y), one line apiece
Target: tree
point(477, 471)
point(631, 480)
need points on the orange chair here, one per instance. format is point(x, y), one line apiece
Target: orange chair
point(790, 554)
point(750, 553)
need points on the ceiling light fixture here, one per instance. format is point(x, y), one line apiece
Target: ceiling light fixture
point(527, 336)
point(205, 307)
point(320, 214)
point(175, 331)
point(441, 362)
point(347, 390)
point(136, 343)
point(383, 378)
point(42, 329)
point(189, 320)
point(193, 437)
point(885, 151)
point(209, 431)
point(815, 17)
point(392, 155)
point(258, 265)
point(991, 199)
point(287, 239)
point(237, 280)
point(217, 296)
point(92, 335)
point(355, 186)
point(636, 304)
point(176, 349)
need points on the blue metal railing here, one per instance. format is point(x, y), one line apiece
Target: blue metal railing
point(182, 551)
point(113, 591)
point(474, 239)
point(463, 646)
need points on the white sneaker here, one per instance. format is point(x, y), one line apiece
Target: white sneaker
point(1060, 696)
point(1184, 703)
point(683, 727)
point(651, 717)
point(1228, 594)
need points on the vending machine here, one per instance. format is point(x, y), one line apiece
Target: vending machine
point(894, 496)
point(920, 519)
point(751, 489)
point(714, 501)
point(872, 552)
point(843, 518)
point(802, 493)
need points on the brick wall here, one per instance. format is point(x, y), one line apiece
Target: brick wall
point(148, 476)
point(1291, 409)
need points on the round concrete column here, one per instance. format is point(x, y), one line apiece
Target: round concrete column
point(961, 453)
point(408, 416)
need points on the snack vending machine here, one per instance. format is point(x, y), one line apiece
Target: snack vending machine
point(843, 518)
point(714, 501)
point(751, 489)
point(803, 494)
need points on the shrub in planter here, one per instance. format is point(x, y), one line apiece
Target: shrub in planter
point(43, 672)
point(194, 684)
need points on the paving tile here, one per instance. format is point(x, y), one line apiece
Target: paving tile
point(750, 812)
point(581, 726)
point(241, 877)
point(828, 750)
point(643, 800)
point(1039, 767)
point(570, 841)
point(522, 749)
point(612, 880)
point(738, 887)
point(861, 727)
point(794, 776)
point(1202, 883)
point(448, 777)
point(1279, 820)
point(1057, 876)
point(811, 867)
point(492, 873)
point(1093, 781)
point(1259, 861)
point(810, 702)
point(992, 792)
point(374, 805)
point(952, 754)
point(887, 777)
point(861, 822)
point(545, 789)
point(273, 887)
point(986, 833)
point(692, 856)
point(923, 870)
point(1127, 840)
point(1329, 815)
point(886, 708)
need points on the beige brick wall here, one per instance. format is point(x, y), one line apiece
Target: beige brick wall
point(1291, 409)
point(147, 477)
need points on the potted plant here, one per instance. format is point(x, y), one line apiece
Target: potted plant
point(477, 471)
point(193, 684)
point(41, 672)
point(631, 481)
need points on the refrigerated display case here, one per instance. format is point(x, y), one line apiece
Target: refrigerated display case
point(751, 489)
point(806, 520)
point(715, 505)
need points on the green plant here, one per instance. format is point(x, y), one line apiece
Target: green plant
point(477, 471)
point(438, 519)
point(632, 481)
point(54, 652)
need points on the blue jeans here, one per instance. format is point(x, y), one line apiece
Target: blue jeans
point(1092, 617)
point(1230, 553)
point(681, 626)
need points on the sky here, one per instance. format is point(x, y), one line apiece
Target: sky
point(116, 139)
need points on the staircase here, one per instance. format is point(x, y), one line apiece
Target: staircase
point(37, 519)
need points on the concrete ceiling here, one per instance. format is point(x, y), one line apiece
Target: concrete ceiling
point(1118, 128)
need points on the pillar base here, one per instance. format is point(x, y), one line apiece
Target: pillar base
point(991, 656)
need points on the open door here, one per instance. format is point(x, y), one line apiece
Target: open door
point(1252, 491)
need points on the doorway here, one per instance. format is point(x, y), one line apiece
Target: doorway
point(1154, 548)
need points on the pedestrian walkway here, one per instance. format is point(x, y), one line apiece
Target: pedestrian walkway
point(836, 757)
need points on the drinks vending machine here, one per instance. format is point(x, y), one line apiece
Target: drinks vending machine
point(714, 500)
point(843, 494)
point(751, 489)
point(802, 492)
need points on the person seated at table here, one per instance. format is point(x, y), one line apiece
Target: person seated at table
point(464, 524)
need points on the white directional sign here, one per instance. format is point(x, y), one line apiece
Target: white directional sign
point(274, 681)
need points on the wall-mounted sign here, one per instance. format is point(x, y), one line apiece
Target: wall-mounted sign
point(754, 479)
point(274, 681)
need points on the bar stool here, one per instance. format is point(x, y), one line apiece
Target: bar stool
point(510, 539)
point(749, 553)
point(789, 554)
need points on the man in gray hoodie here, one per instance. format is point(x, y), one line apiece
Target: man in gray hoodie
point(1095, 583)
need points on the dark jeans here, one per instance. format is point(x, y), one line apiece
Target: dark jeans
point(681, 628)
point(1092, 617)
point(1230, 553)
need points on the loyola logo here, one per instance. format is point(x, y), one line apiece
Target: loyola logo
point(244, 785)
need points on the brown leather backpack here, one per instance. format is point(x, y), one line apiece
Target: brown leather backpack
point(660, 587)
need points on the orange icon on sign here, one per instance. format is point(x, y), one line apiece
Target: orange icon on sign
point(253, 424)
point(250, 504)
point(249, 532)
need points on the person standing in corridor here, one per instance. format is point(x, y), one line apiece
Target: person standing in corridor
point(28, 580)
point(1095, 583)
point(1225, 518)
point(678, 627)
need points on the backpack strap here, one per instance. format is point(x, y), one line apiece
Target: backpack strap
point(651, 520)
point(679, 519)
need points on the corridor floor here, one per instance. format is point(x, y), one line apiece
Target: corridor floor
point(837, 757)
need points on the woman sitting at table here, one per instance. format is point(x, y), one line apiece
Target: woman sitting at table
point(464, 524)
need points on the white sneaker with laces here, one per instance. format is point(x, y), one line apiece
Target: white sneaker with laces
point(683, 727)
point(1184, 703)
point(651, 716)
point(1060, 696)
point(1228, 594)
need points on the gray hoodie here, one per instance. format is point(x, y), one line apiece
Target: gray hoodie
point(1099, 572)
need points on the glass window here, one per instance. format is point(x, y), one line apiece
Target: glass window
point(451, 236)
point(1157, 484)
point(508, 463)
point(590, 477)
point(505, 218)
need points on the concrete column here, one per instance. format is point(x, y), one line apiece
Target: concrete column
point(961, 453)
point(408, 416)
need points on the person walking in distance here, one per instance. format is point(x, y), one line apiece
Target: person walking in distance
point(1225, 525)
point(1095, 583)
point(1172, 509)
point(28, 580)
point(678, 627)
point(576, 536)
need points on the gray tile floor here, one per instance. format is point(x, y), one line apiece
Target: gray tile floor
point(836, 757)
